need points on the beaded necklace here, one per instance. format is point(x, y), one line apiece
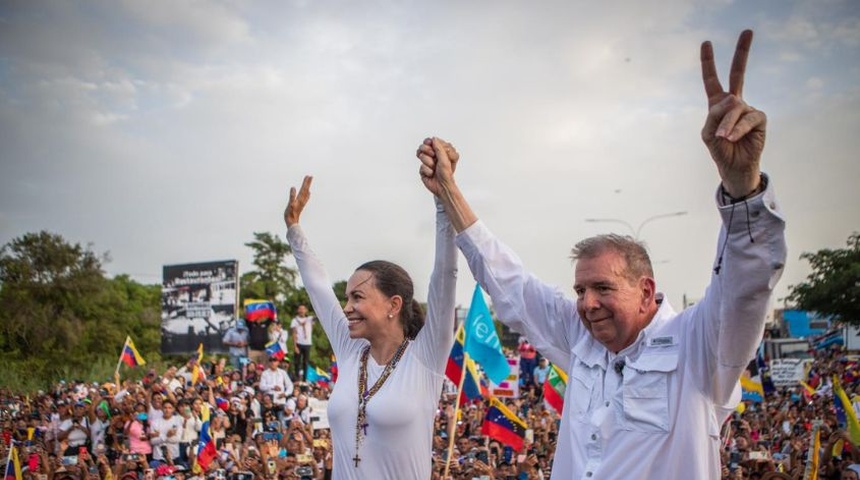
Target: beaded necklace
point(364, 395)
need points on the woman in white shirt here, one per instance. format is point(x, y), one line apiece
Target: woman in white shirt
point(391, 362)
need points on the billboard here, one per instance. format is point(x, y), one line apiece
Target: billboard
point(198, 304)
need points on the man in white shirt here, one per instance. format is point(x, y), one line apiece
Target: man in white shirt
point(75, 429)
point(648, 386)
point(302, 327)
point(276, 382)
point(166, 434)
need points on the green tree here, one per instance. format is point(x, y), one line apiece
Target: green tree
point(271, 279)
point(833, 287)
point(61, 318)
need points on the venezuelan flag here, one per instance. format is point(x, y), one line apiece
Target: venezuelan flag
point(13, 465)
point(206, 451)
point(472, 388)
point(501, 424)
point(853, 424)
point(751, 389)
point(333, 368)
point(273, 349)
point(196, 373)
point(317, 375)
point(259, 310)
point(130, 355)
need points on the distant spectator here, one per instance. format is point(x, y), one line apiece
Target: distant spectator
point(236, 338)
point(302, 327)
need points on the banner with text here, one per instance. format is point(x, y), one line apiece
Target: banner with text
point(788, 372)
point(198, 305)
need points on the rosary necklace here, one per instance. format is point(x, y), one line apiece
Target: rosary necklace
point(364, 395)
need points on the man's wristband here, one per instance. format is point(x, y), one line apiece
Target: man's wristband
point(730, 200)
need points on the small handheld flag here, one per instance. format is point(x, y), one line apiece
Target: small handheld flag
point(130, 355)
point(503, 425)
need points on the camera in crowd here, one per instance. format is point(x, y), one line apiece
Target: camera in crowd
point(304, 472)
point(241, 476)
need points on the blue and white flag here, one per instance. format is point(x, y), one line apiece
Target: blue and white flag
point(482, 342)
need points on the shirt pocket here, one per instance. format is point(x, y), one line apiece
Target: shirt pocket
point(582, 383)
point(645, 392)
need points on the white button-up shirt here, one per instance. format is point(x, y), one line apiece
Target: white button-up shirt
point(659, 416)
point(278, 377)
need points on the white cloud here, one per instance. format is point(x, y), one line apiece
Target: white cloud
point(169, 132)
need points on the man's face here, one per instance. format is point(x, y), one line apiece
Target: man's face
point(850, 475)
point(463, 445)
point(612, 309)
point(302, 310)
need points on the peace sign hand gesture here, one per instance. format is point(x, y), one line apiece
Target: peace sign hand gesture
point(734, 132)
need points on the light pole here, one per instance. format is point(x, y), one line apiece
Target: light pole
point(638, 229)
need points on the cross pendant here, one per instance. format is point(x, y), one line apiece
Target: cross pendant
point(356, 459)
point(364, 429)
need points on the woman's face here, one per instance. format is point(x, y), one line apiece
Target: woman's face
point(367, 308)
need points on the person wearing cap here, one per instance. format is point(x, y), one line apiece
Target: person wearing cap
point(391, 361)
point(236, 338)
point(851, 472)
point(276, 382)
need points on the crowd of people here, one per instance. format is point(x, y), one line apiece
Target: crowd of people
point(150, 429)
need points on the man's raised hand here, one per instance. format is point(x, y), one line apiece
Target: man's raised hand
point(734, 132)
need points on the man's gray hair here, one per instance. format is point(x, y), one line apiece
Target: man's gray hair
point(631, 250)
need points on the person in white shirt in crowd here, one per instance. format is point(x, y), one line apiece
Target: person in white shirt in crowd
point(191, 425)
point(540, 373)
point(75, 429)
point(236, 337)
point(647, 386)
point(98, 425)
point(298, 407)
point(302, 327)
point(276, 382)
point(171, 380)
point(391, 362)
point(156, 407)
point(166, 434)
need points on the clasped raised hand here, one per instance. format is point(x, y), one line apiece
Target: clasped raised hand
point(438, 162)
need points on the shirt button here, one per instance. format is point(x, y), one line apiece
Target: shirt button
point(587, 474)
point(607, 404)
point(594, 436)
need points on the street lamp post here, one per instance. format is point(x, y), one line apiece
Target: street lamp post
point(638, 229)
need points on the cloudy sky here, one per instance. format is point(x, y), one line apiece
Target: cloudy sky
point(169, 131)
